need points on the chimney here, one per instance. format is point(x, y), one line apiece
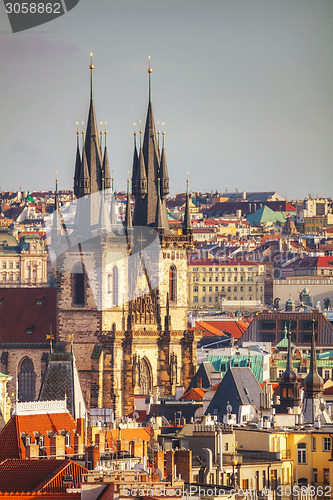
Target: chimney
point(92, 457)
point(80, 426)
point(100, 441)
point(183, 463)
point(78, 444)
point(159, 461)
point(57, 446)
point(32, 451)
point(170, 465)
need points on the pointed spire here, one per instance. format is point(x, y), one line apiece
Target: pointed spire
point(289, 375)
point(149, 73)
point(113, 205)
point(164, 171)
point(106, 166)
point(159, 216)
point(91, 76)
point(135, 166)
point(92, 144)
point(77, 163)
point(56, 223)
point(187, 226)
point(142, 188)
point(128, 218)
point(313, 382)
point(104, 222)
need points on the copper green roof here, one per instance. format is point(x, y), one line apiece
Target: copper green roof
point(265, 214)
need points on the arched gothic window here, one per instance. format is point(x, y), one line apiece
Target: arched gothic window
point(115, 286)
point(78, 285)
point(173, 283)
point(26, 381)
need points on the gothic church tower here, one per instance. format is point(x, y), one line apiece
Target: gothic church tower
point(126, 307)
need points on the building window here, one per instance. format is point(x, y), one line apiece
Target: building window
point(26, 381)
point(17, 265)
point(315, 475)
point(301, 453)
point(203, 288)
point(314, 444)
point(216, 278)
point(210, 299)
point(235, 288)
point(41, 441)
point(4, 265)
point(250, 288)
point(195, 298)
point(241, 288)
point(326, 476)
point(68, 440)
point(11, 264)
point(115, 286)
point(203, 299)
point(222, 288)
point(195, 289)
point(229, 288)
point(78, 285)
point(216, 299)
point(4, 277)
point(326, 444)
point(210, 278)
point(210, 288)
point(326, 374)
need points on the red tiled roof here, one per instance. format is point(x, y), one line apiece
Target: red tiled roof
point(194, 394)
point(208, 329)
point(31, 476)
point(325, 262)
point(11, 444)
point(234, 328)
point(20, 313)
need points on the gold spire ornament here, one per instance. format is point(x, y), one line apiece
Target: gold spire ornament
point(91, 61)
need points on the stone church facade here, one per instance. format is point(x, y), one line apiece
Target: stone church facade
point(122, 288)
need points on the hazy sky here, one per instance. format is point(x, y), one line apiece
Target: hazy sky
point(245, 88)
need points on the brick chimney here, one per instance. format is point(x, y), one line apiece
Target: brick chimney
point(78, 444)
point(57, 445)
point(100, 440)
point(159, 461)
point(183, 463)
point(32, 451)
point(170, 465)
point(80, 426)
point(92, 457)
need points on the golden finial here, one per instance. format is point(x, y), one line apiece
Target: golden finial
point(77, 128)
point(91, 61)
point(134, 133)
point(105, 131)
point(82, 128)
point(140, 127)
point(101, 132)
point(163, 128)
point(149, 69)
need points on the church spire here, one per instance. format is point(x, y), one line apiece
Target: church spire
point(128, 217)
point(187, 226)
point(164, 171)
point(92, 143)
point(289, 375)
point(56, 223)
point(313, 382)
point(77, 164)
point(159, 217)
point(149, 73)
point(106, 166)
point(135, 166)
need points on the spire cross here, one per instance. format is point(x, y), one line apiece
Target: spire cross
point(140, 134)
point(134, 134)
point(149, 72)
point(91, 75)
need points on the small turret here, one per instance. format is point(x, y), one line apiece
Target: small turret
point(164, 172)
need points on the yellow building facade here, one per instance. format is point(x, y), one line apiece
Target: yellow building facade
point(212, 280)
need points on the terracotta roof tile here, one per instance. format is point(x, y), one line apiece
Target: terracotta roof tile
point(194, 394)
point(11, 443)
point(36, 475)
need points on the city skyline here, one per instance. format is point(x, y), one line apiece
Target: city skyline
point(243, 89)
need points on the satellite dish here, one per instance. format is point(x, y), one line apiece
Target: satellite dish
point(229, 408)
point(135, 415)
